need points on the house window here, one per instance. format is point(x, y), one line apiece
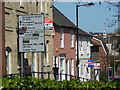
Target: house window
point(47, 51)
point(61, 38)
point(46, 7)
point(81, 47)
point(41, 6)
point(21, 4)
point(72, 66)
point(55, 61)
point(81, 69)
point(88, 51)
point(8, 60)
point(72, 38)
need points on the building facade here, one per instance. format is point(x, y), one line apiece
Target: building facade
point(2, 39)
point(32, 60)
point(64, 45)
point(84, 55)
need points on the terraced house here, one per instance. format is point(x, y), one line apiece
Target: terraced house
point(64, 44)
point(65, 50)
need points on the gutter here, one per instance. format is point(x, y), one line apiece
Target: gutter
point(101, 44)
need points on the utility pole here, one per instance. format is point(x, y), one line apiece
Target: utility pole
point(77, 36)
point(77, 41)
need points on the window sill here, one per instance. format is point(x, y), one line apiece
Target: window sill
point(72, 47)
point(62, 47)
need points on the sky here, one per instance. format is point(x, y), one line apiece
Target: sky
point(91, 19)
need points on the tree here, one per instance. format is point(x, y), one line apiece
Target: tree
point(116, 17)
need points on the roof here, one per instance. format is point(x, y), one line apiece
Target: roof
point(81, 32)
point(61, 20)
point(104, 43)
point(95, 44)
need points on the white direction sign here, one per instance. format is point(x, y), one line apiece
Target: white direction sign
point(31, 33)
point(96, 65)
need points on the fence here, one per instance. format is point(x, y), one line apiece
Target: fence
point(50, 75)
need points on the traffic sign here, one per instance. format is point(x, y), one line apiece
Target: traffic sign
point(48, 22)
point(96, 65)
point(31, 33)
point(90, 63)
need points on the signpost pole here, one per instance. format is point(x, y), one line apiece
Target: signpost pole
point(31, 37)
point(22, 64)
point(42, 65)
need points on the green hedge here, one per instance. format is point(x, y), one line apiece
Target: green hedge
point(16, 82)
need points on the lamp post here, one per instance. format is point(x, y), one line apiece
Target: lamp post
point(87, 4)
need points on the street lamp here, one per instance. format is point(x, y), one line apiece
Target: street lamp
point(86, 5)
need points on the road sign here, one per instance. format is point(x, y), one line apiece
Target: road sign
point(90, 63)
point(96, 65)
point(31, 33)
point(48, 23)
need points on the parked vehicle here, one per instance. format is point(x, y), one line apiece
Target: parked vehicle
point(115, 79)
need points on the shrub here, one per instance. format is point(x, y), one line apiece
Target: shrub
point(17, 82)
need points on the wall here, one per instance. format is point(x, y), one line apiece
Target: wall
point(68, 51)
point(12, 11)
point(84, 56)
point(2, 39)
point(84, 47)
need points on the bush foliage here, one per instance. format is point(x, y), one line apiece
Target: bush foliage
point(23, 83)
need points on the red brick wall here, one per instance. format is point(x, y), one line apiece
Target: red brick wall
point(70, 52)
point(2, 39)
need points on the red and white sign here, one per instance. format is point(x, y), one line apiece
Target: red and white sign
point(96, 65)
point(48, 22)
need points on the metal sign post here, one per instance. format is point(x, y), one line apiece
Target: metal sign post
point(42, 64)
point(22, 64)
point(31, 35)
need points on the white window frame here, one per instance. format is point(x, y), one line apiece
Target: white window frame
point(46, 7)
point(41, 6)
point(61, 38)
point(47, 53)
point(8, 62)
point(81, 47)
point(55, 58)
point(72, 39)
point(72, 66)
point(88, 51)
point(21, 3)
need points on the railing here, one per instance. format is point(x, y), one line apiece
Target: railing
point(50, 75)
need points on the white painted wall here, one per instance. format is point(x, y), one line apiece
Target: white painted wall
point(84, 47)
point(84, 70)
point(84, 56)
